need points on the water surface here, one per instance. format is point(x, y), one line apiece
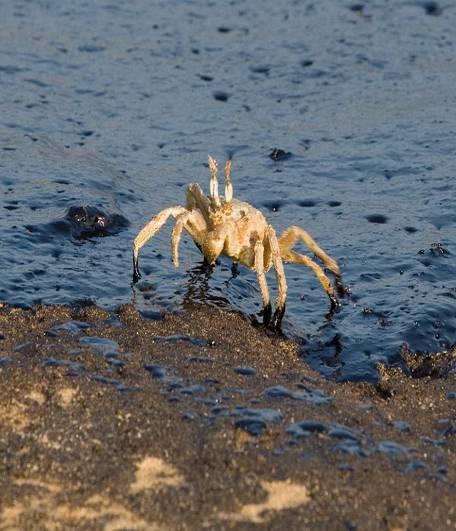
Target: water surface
point(116, 106)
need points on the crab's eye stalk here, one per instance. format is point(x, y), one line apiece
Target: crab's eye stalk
point(228, 185)
point(213, 187)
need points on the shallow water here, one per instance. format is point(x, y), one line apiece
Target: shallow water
point(116, 106)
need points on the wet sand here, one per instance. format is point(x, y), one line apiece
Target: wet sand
point(201, 420)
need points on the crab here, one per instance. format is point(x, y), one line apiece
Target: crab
point(233, 228)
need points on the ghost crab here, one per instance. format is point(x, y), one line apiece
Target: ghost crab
point(229, 227)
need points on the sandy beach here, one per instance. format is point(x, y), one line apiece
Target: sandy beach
point(201, 420)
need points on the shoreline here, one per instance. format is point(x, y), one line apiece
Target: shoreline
point(200, 420)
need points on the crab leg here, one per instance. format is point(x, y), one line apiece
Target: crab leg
point(213, 186)
point(297, 258)
point(194, 223)
point(151, 228)
point(280, 275)
point(197, 199)
point(293, 234)
point(259, 268)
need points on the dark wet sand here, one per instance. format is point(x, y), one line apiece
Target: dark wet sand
point(172, 449)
